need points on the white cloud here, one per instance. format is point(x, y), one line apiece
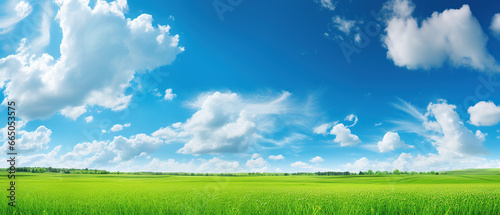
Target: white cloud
point(344, 136)
point(442, 126)
point(328, 4)
point(227, 123)
point(257, 164)
point(169, 96)
point(453, 138)
point(255, 156)
point(218, 165)
point(357, 38)
point(43, 39)
point(457, 147)
point(392, 141)
point(317, 159)
point(453, 36)
point(117, 151)
point(40, 160)
point(495, 25)
point(276, 157)
point(101, 154)
point(363, 164)
point(156, 165)
point(288, 140)
point(119, 127)
point(403, 162)
point(400, 8)
point(214, 165)
point(97, 44)
point(128, 148)
point(322, 129)
point(351, 118)
point(13, 12)
point(484, 114)
point(300, 164)
point(156, 93)
point(343, 25)
point(89, 119)
point(409, 162)
point(170, 133)
point(31, 141)
point(116, 128)
point(83, 149)
point(480, 135)
point(73, 112)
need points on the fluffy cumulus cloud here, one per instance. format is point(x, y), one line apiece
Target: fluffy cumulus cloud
point(101, 50)
point(41, 160)
point(119, 127)
point(410, 162)
point(111, 156)
point(342, 133)
point(484, 114)
point(300, 164)
point(457, 147)
point(351, 118)
point(363, 164)
point(343, 25)
point(317, 159)
point(495, 25)
point(219, 165)
point(392, 141)
point(322, 129)
point(453, 36)
point(169, 96)
point(228, 123)
point(450, 136)
point(276, 157)
point(73, 112)
point(89, 119)
point(343, 136)
point(13, 11)
point(328, 4)
point(404, 162)
point(121, 154)
point(480, 135)
point(128, 148)
point(214, 165)
point(170, 165)
point(257, 164)
point(29, 141)
point(171, 133)
point(255, 155)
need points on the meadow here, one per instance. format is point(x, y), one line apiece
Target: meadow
point(55, 193)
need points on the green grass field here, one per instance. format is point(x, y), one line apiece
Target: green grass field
point(50, 193)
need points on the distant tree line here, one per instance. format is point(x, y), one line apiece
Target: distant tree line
point(378, 172)
point(329, 173)
point(333, 173)
point(61, 170)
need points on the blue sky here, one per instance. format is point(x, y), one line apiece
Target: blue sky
point(228, 86)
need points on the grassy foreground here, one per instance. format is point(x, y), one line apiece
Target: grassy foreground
point(50, 193)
